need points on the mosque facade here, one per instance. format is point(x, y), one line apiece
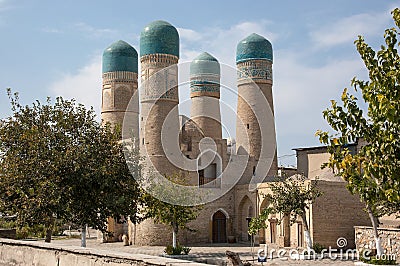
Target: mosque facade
point(173, 142)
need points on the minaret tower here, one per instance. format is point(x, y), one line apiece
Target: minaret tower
point(254, 128)
point(120, 75)
point(159, 54)
point(205, 94)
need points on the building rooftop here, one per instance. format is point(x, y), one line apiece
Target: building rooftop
point(319, 147)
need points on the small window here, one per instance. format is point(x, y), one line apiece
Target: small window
point(142, 118)
point(248, 126)
point(254, 170)
point(142, 141)
point(201, 177)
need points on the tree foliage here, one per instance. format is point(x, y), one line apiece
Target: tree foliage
point(293, 195)
point(57, 161)
point(374, 172)
point(177, 216)
point(289, 196)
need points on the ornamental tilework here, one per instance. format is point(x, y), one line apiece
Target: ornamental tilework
point(159, 37)
point(254, 71)
point(161, 85)
point(204, 88)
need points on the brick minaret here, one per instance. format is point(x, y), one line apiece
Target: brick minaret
point(120, 74)
point(159, 118)
point(255, 126)
point(159, 54)
point(205, 94)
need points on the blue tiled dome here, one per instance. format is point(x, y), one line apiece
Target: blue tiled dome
point(120, 56)
point(253, 46)
point(204, 64)
point(159, 37)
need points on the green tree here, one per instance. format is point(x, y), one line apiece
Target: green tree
point(177, 216)
point(58, 162)
point(292, 197)
point(374, 171)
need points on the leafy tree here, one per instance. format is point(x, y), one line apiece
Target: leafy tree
point(292, 197)
point(177, 216)
point(374, 171)
point(58, 162)
point(105, 187)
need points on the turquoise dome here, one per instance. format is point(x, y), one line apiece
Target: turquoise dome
point(253, 46)
point(204, 64)
point(120, 56)
point(159, 37)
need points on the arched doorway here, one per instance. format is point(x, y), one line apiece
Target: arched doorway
point(263, 232)
point(245, 213)
point(219, 227)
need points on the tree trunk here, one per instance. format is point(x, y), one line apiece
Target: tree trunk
point(83, 237)
point(286, 230)
point(374, 222)
point(306, 231)
point(49, 230)
point(134, 233)
point(174, 234)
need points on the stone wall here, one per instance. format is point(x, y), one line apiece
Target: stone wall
point(21, 253)
point(390, 239)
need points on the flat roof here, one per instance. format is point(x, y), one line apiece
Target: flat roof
point(318, 147)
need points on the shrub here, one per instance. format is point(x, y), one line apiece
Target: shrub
point(37, 231)
point(186, 250)
point(317, 247)
point(7, 223)
point(170, 250)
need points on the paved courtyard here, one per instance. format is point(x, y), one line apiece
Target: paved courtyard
point(211, 254)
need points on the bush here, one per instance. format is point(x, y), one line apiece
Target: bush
point(384, 260)
point(170, 250)
point(7, 223)
point(186, 250)
point(317, 247)
point(37, 231)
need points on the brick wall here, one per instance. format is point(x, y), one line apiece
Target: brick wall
point(335, 214)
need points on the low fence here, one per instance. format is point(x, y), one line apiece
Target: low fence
point(16, 253)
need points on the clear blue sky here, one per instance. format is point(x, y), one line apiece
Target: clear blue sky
point(51, 48)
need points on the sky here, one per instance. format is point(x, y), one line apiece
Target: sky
point(54, 48)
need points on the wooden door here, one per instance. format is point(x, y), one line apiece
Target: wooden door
point(219, 227)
